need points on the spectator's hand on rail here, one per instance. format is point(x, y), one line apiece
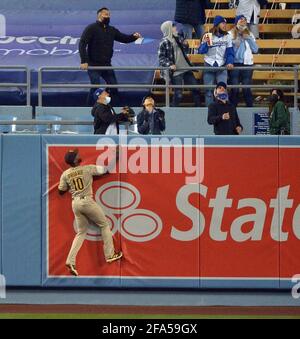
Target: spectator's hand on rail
point(226, 116)
point(173, 68)
point(239, 130)
point(137, 35)
point(230, 67)
point(84, 66)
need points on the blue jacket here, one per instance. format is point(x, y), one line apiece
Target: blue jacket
point(191, 11)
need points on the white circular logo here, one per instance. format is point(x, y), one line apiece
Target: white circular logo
point(115, 197)
point(140, 225)
point(120, 201)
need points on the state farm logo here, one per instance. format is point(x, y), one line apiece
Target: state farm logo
point(2, 25)
point(121, 202)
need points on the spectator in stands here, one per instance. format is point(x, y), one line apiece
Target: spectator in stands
point(218, 50)
point(191, 14)
point(172, 54)
point(106, 121)
point(244, 45)
point(251, 10)
point(96, 49)
point(151, 120)
point(279, 114)
point(222, 114)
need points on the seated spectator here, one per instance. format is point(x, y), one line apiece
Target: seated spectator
point(218, 50)
point(151, 120)
point(191, 14)
point(251, 10)
point(279, 114)
point(244, 45)
point(172, 54)
point(106, 121)
point(222, 114)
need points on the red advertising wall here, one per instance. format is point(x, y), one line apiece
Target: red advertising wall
point(242, 222)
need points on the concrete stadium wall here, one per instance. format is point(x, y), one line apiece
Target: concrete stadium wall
point(179, 121)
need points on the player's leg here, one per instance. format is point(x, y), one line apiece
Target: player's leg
point(95, 213)
point(82, 225)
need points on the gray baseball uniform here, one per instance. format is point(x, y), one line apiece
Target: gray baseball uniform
point(78, 181)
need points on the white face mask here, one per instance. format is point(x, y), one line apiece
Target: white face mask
point(107, 100)
point(241, 28)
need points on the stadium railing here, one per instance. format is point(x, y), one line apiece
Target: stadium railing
point(26, 84)
point(167, 86)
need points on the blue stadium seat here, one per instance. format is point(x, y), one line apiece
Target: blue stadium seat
point(46, 128)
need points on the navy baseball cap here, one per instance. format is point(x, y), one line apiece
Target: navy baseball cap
point(221, 84)
point(70, 156)
point(218, 20)
point(99, 91)
point(238, 18)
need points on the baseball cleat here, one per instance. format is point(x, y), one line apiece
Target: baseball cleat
point(72, 270)
point(115, 257)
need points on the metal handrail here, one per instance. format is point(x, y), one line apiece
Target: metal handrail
point(167, 86)
point(51, 123)
point(27, 85)
point(35, 122)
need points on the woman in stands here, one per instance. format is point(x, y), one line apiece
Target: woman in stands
point(244, 46)
point(279, 114)
point(218, 50)
point(172, 54)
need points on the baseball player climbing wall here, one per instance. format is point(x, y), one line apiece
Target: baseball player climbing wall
point(238, 227)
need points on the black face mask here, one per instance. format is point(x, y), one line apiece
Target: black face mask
point(222, 32)
point(273, 98)
point(106, 21)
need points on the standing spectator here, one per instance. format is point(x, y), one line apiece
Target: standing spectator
point(218, 50)
point(151, 120)
point(251, 10)
point(279, 114)
point(96, 49)
point(106, 121)
point(244, 46)
point(172, 53)
point(222, 114)
point(191, 14)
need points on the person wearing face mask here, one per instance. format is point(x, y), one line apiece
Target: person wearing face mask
point(172, 54)
point(222, 114)
point(218, 50)
point(96, 48)
point(151, 120)
point(244, 45)
point(279, 114)
point(106, 121)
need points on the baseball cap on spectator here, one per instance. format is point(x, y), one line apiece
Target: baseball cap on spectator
point(238, 18)
point(218, 20)
point(99, 91)
point(221, 84)
point(70, 156)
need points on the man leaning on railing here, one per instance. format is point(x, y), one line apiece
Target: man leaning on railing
point(96, 49)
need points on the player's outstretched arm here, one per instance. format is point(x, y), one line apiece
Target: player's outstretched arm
point(110, 167)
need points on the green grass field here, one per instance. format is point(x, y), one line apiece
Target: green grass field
point(136, 316)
